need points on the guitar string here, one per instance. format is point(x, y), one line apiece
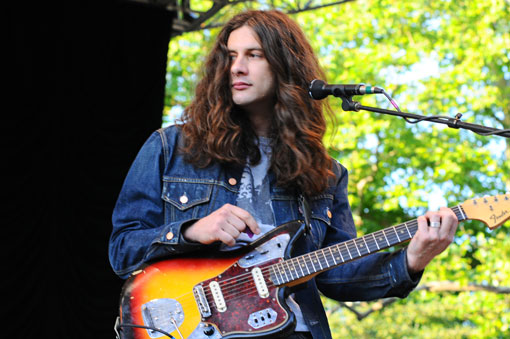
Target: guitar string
point(230, 287)
point(235, 287)
point(241, 285)
point(350, 245)
point(394, 238)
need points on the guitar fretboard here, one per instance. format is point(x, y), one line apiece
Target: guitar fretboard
point(336, 255)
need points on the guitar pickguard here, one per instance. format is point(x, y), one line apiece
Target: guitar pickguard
point(248, 308)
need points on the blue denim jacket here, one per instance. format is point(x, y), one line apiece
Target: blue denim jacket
point(151, 211)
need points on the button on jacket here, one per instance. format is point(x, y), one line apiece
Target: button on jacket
point(162, 193)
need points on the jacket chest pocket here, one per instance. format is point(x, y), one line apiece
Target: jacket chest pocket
point(320, 217)
point(186, 198)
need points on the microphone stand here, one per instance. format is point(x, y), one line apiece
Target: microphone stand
point(349, 105)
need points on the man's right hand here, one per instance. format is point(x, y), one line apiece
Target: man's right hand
point(225, 225)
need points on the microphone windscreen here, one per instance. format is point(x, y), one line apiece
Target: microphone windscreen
point(317, 90)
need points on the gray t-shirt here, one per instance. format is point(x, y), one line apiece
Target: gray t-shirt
point(254, 196)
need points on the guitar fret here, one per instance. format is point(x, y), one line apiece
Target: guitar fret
point(332, 256)
point(407, 228)
point(306, 264)
point(401, 231)
point(319, 261)
point(348, 250)
point(356, 245)
point(375, 240)
point(459, 212)
point(385, 237)
point(280, 273)
point(301, 268)
point(283, 268)
point(363, 246)
point(274, 276)
point(340, 252)
point(464, 217)
point(313, 259)
point(308, 261)
point(366, 245)
point(293, 269)
point(289, 270)
point(394, 230)
point(325, 256)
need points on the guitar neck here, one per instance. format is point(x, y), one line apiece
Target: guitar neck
point(304, 267)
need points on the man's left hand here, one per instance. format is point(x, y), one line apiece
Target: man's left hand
point(436, 231)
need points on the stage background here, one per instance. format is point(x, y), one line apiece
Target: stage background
point(85, 85)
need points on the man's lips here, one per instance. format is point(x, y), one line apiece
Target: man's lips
point(239, 85)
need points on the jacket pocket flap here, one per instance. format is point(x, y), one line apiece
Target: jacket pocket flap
point(185, 194)
point(320, 208)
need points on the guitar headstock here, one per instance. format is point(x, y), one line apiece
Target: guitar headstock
point(491, 210)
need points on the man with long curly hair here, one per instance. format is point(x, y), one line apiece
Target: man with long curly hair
point(235, 166)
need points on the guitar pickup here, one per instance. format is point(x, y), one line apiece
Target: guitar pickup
point(260, 283)
point(221, 306)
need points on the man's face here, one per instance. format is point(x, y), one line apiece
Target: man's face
point(251, 78)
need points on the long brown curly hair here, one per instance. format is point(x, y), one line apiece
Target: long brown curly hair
point(216, 130)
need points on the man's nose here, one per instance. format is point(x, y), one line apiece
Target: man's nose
point(239, 66)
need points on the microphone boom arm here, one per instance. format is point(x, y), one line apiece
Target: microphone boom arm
point(349, 105)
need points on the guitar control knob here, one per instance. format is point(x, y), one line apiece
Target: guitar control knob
point(208, 330)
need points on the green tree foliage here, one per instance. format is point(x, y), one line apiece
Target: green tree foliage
point(433, 58)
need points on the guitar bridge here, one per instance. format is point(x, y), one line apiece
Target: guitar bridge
point(203, 305)
point(164, 314)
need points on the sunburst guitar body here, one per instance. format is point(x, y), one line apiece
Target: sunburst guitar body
point(210, 297)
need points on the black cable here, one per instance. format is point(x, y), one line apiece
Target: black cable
point(494, 132)
point(449, 122)
point(147, 328)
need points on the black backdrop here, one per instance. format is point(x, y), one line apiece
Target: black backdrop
point(85, 85)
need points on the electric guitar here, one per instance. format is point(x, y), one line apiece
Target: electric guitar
point(244, 296)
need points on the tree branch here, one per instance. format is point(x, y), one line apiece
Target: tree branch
point(305, 8)
point(439, 286)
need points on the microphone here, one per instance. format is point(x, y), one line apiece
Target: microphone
point(319, 90)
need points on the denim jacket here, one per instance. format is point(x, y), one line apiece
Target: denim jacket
point(162, 193)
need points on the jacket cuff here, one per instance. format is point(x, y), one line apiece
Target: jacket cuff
point(401, 279)
point(172, 234)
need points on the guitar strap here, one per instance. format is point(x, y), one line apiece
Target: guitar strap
point(305, 210)
point(304, 207)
